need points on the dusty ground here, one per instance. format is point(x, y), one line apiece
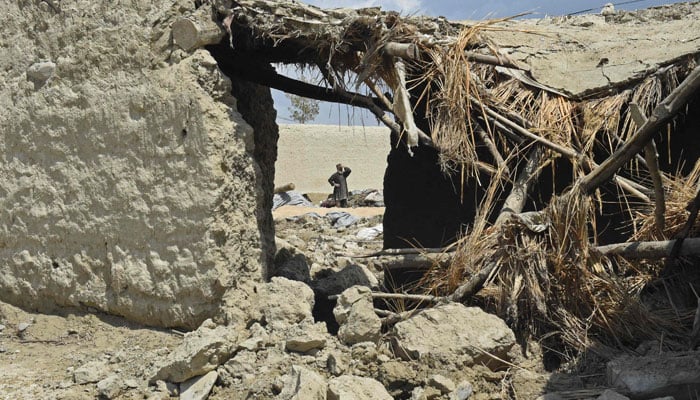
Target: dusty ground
point(290, 211)
point(307, 155)
point(39, 362)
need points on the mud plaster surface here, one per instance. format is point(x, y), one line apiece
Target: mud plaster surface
point(128, 183)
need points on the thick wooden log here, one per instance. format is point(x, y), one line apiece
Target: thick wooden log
point(196, 30)
point(408, 51)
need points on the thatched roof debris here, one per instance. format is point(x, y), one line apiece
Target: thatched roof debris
point(527, 92)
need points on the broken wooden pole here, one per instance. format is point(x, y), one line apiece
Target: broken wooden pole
point(493, 149)
point(515, 202)
point(492, 60)
point(572, 154)
point(652, 162)
point(410, 250)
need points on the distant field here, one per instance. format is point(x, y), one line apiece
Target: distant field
point(307, 155)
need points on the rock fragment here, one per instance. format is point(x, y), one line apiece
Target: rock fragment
point(451, 331)
point(305, 343)
point(350, 387)
point(303, 384)
point(463, 391)
point(285, 302)
point(198, 388)
point(91, 372)
point(335, 364)
point(23, 326)
point(355, 314)
point(40, 73)
point(201, 351)
point(441, 383)
point(110, 387)
point(610, 394)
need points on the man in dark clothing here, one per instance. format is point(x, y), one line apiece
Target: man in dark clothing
point(340, 185)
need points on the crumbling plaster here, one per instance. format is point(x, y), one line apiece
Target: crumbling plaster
point(128, 182)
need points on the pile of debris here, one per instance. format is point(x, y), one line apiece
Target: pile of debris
point(498, 120)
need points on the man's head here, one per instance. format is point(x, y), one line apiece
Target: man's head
point(339, 167)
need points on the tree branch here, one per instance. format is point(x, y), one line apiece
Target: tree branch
point(237, 64)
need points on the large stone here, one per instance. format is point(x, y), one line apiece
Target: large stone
point(350, 387)
point(284, 302)
point(303, 384)
point(453, 333)
point(666, 374)
point(198, 388)
point(355, 314)
point(200, 352)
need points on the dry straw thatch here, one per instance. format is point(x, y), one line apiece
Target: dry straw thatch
point(484, 118)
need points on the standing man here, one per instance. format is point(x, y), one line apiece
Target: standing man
point(340, 185)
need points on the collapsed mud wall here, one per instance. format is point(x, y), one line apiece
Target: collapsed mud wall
point(128, 181)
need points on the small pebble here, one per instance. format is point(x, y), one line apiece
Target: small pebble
point(22, 326)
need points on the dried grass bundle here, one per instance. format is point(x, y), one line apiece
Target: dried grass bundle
point(602, 116)
point(450, 106)
point(554, 284)
point(680, 191)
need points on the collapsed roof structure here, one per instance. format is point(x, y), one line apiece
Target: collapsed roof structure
point(594, 112)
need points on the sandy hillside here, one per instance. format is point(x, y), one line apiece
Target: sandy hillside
point(307, 155)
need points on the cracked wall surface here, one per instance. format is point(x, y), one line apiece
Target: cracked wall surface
point(128, 178)
point(583, 55)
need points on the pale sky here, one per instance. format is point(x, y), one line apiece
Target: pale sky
point(453, 10)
